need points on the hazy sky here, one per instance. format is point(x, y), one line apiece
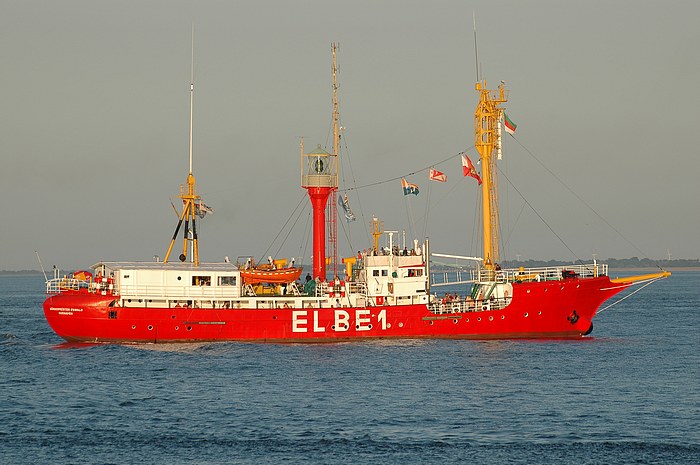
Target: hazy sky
point(95, 110)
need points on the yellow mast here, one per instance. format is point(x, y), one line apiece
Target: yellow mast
point(486, 137)
point(189, 198)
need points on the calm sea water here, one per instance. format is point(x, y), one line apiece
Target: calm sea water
point(629, 394)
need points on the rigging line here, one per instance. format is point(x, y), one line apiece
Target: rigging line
point(346, 227)
point(476, 222)
point(282, 228)
point(512, 230)
point(291, 229)
point(346, 230)
point(340, 146)
point(441, 199)
point(651, 281)
point(425, 218)
point(359, 202)
point(539, 216)
point(581, 199)
point(307, 235)
point(409, 174)
point(409, 215)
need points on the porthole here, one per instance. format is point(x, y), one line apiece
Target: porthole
point(150, 327)
point(370, 326)
point(179, 278)
point(333, 327)
point(400, 325)
point(528, 291)
point(478, 319)
point(546, 289)
point(526, 315)
point(490, 318)
point(539, 313)
point(133, 326)
point(467, 320)
point(173, 317)
point(430, 322)
point(503, 317)
point(189, 328)
point(562, 288)
point(454, 321)
point(177, 328)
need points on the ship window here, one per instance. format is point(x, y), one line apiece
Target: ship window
point(227, 281)
point(385, 272)
point(201, 280)
point(375, 272)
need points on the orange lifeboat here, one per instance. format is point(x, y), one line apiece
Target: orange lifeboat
point(265, 274)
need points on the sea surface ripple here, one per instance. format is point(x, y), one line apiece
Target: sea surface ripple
point(628, 394)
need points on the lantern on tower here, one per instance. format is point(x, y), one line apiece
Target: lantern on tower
point(319, 177)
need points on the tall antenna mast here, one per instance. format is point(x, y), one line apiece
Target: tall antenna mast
point(191, 96)
point(332, 206)
point(476, 49)
point(191, 201)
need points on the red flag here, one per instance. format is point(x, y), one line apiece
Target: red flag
point(436, 175)
point(468, 168)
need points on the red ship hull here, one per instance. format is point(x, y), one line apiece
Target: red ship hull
point(556, 309)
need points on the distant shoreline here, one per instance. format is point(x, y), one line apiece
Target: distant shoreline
point(20, 273)
point(617, 268)
point(651, 268)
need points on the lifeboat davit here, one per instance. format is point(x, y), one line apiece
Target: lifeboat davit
point(263, 274)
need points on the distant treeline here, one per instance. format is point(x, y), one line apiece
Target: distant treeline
point(633, 262)
point(19, 272)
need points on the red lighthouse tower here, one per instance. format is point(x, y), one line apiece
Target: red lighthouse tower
point(319, 176)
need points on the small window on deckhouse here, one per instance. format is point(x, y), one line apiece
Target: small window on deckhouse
point(227, 281)
point(201, 280)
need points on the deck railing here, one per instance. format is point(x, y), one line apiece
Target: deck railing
point(58, 285)
point(550, 273)
point(463, 306)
